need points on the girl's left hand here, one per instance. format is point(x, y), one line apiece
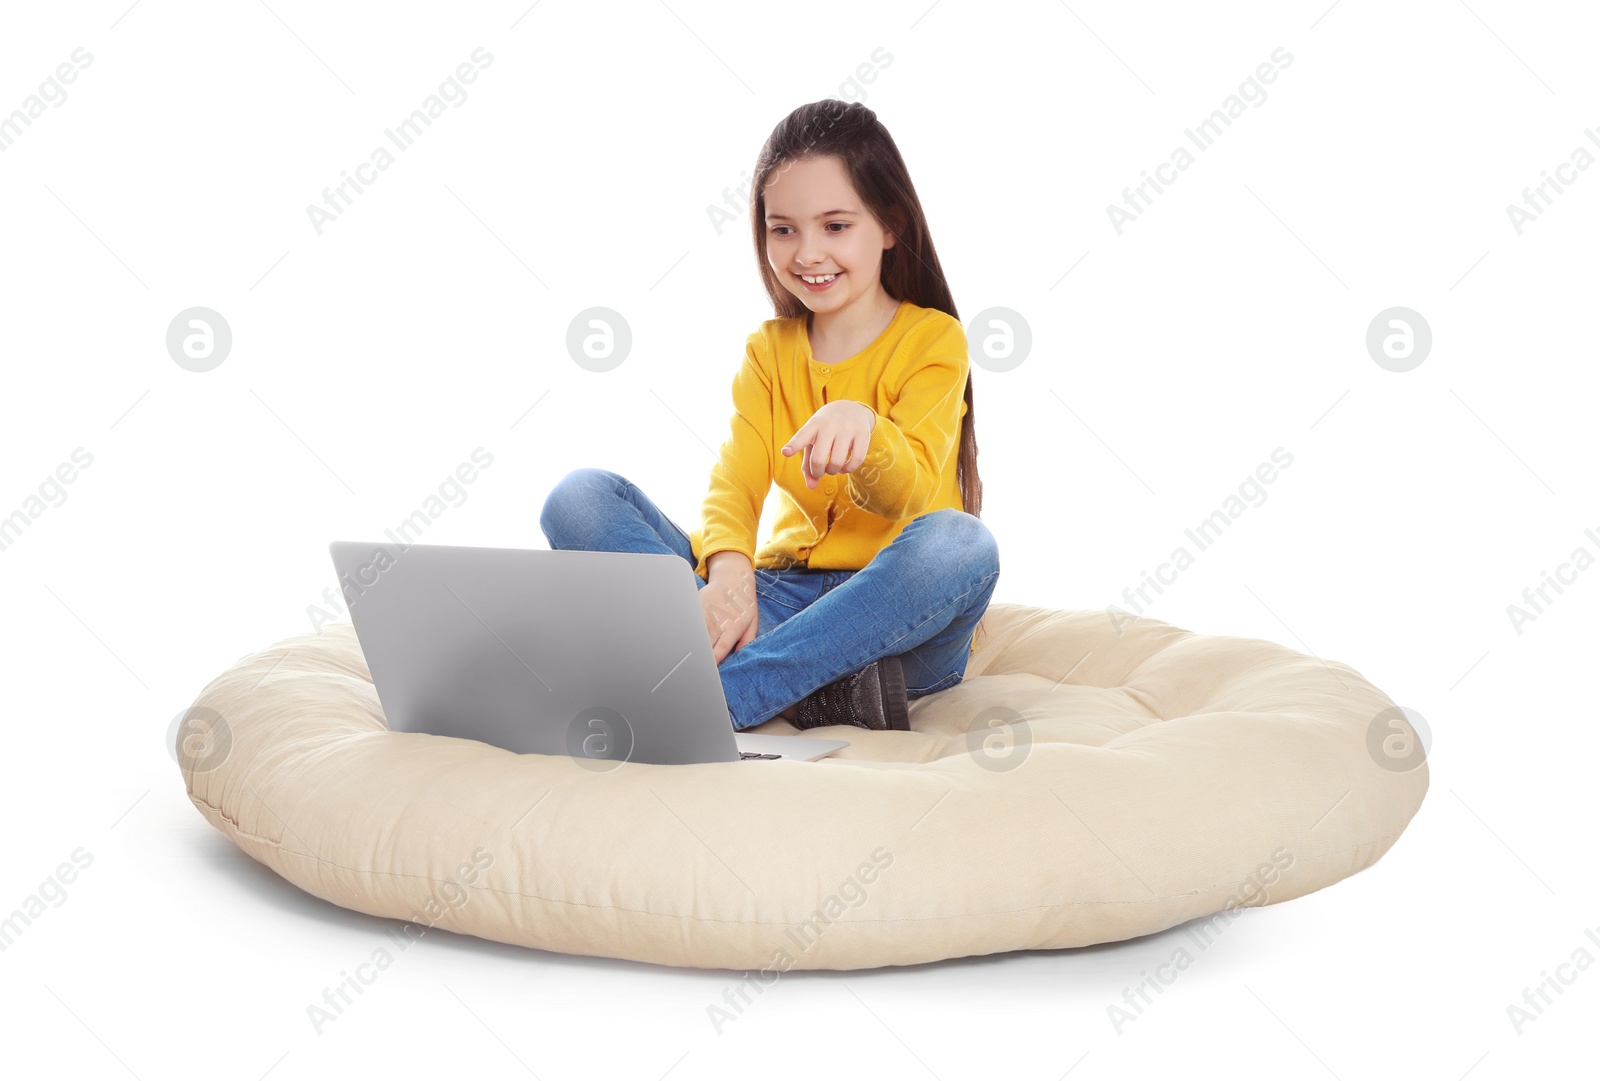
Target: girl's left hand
point(834, 439)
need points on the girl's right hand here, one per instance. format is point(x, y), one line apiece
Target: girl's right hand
point(732, 617)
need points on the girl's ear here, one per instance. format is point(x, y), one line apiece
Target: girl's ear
point(891, 233)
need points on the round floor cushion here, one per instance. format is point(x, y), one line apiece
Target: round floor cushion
point(1095, 777)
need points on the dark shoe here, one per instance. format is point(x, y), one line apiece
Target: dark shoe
point(874, 697)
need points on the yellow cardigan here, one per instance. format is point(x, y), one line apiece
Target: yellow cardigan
point(913, 376)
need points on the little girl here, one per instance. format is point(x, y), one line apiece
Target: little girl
point(857, 402)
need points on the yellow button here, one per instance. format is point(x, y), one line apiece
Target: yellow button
point(825, 371)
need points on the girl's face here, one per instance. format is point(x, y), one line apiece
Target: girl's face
point(817, 226)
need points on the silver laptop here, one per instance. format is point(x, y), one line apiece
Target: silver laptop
point(601, 656)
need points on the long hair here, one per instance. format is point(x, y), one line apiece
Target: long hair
point(910, 271)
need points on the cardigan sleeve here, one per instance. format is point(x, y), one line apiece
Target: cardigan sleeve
point(742, 474)
point(900, 476)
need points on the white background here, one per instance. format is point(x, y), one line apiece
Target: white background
point(429, 319)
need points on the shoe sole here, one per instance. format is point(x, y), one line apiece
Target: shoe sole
point(892, 677)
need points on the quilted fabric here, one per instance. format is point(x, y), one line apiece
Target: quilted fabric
point(1090, 780)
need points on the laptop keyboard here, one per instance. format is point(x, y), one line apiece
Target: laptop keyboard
point(753, 754)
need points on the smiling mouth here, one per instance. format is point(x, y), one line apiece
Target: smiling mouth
point(821, 279)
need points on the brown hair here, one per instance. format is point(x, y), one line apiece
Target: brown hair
point(852, 133)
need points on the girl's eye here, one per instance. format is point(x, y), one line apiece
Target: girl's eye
point(778, 229)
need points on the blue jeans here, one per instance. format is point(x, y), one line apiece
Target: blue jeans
point(920, 597)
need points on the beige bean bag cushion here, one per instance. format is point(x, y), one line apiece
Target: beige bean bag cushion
point(1095, 777)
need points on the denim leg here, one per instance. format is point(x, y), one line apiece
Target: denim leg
point(780, 597)
point(596, 510)
point(941, 660)
point(921, 595)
